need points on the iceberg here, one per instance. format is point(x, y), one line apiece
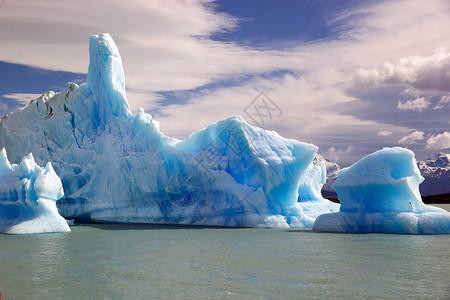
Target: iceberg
point(28, 195)
point(116, 166)
point(380, 194)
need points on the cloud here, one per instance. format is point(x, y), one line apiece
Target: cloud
point(439, 141)
point(3, 106)
point(21, 98)
point(384, 133)
point(412, 138)
point(419, 104)
point(342, 157)
point(442, 102)
point(421, 72)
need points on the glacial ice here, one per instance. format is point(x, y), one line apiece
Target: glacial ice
point(309, 192)
point(380, 194)
point(118, 167)
point(28, 195)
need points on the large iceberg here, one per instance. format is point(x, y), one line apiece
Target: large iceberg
point(380, 194)
point(28, 195)
point(118, 167)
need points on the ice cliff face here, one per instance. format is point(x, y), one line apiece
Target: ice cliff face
point(119, 167)
point(380, 193)
point(28, 195)
point(309, 192)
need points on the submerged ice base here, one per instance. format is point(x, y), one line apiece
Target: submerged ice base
point(118, 167)
point(28, 195)
point(380, 194)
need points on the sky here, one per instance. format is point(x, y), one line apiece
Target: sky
point(351, 77)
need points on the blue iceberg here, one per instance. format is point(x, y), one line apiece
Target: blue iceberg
point(119, 167)
point(28, 195)
point(380, 194)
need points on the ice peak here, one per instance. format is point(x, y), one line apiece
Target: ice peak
point(106, 73)
point(105, 65)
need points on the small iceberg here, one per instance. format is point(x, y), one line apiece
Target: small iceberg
point(380, 194)
point(28, 195)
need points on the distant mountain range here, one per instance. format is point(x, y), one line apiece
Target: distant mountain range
point(435, 168)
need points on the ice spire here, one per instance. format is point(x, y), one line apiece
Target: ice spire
point(106, 78)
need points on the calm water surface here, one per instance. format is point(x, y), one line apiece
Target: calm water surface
point(169, 262)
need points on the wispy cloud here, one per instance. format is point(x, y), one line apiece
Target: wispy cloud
point(443, 102)
point(412, 138)
point(21, 98)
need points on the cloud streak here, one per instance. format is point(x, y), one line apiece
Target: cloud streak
point(21, 98)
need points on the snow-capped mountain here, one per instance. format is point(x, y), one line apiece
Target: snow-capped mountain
point(436, 170)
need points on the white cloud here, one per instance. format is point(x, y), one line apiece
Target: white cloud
point(439, 141)
point(419, 104)
point(21, 98)
point(412, 138)
point(342, 157)
point(384, 133)
point(443, 102)
point(422, 72)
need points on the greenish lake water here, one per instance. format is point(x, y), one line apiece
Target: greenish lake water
point(172, 262)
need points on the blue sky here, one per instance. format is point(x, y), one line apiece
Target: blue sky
point(264, 24)
point(350, 76)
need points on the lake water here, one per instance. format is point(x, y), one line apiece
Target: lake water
point(173, 262)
